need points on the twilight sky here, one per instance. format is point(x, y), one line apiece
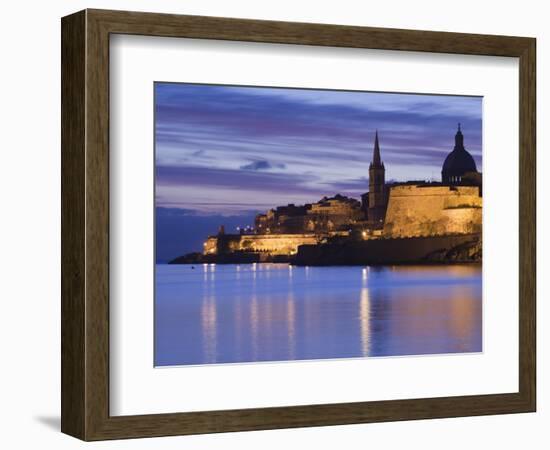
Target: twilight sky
point(228, 151)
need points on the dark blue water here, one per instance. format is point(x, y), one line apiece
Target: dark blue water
point(275, 312)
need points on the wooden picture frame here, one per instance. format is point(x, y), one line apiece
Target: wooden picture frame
point(85, 224)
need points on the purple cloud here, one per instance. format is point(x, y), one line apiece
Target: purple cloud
point(225, 146)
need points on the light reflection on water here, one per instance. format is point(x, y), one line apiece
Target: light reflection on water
point(273, 312)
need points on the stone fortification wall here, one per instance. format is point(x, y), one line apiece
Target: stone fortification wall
point(275, 244)
point(433, 249)
point(432, 211)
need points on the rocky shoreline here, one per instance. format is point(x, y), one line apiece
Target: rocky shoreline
point(414, 250)
point(464, 248)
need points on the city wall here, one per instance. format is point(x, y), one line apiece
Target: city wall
point(275, 244)
point(421, 250)
point(415, 211)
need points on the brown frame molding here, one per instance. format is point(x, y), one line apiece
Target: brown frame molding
point(85, 224)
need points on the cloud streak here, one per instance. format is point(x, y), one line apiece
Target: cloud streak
point(263, 165)
point(240, 147)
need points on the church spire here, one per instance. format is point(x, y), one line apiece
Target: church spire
point(376, 160)
point(377, 197)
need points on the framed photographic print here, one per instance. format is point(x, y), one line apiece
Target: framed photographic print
point(271, 224)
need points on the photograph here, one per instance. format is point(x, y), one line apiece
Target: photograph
point(313, 224)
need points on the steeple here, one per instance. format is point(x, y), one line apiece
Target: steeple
point(376, 160)
point(377, 197)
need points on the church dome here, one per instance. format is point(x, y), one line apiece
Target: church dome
point(458, 162)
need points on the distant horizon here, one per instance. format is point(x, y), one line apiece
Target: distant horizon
point(234, 151)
